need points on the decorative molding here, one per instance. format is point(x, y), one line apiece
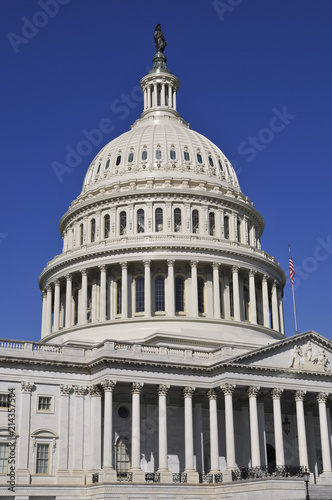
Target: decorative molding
point(163, 389)
point(228, 389)
point(212, 394)
point(27, 387)
point(95, 390)
point(102, 267)
point(65, 389)
point(170, 262)
point(188, 391)
point(136, 387)
point(80, 390)
point(108, 385)
point(299, 395)
point(124, 265)
point(276, 393)
point(253, 391)
point(322, 397)
point(235, 269)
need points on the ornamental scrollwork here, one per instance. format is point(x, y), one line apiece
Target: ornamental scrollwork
point(253, 391)
point(27, 387)
point(95, 390)
point(276, 393)
point(136, 387)
point(79, 390)
point(212, 394)
point(108, 385)
point(65, 390)
point(228, 389)
point(322, 397)
point(299, 395)
point(163, 389)
point(188, 391)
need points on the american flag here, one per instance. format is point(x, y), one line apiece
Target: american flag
point(291, 268)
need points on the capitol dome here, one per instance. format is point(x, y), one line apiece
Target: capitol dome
point(161, 246)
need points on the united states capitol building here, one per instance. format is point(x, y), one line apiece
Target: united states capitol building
point(163, 370)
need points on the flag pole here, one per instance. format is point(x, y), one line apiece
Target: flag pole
point(292, 274)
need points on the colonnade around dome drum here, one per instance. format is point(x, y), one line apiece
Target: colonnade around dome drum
point(162, 288)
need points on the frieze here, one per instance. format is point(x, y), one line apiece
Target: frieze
point(309, 358)
point(65, 390)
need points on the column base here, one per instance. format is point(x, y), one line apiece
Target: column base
point(108, 475)
point(138, 475)
point(325, 478)
point(165, 476)
point(23, 476)
point(227, 475)
point(192, 476)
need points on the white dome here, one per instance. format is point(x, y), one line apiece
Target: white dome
point(155, 144)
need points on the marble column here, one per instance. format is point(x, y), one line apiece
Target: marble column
point(63, 448)
point(44, 299)
point(147, 288)
point(236, 293)
point(214, 439)
point(228, 390)
point(254, 430)
point(56, 312)
point(275, 312)
point(102, 316)
point(324, 432)
point(194, 288)
point(83, 313)
point(138, 474)
point(165, 474)
point(281, 312)
point(171, 288)
point(265, 299)
point(108, 386)
point(124, 298)
point(192, 475)
point(277, 421)
point(169, 95)
point(252, 298)
point(69, 285)
point(216, 291)
point(301, 432)
point(95, 428)
point(48, 322)
point(24, 430)
point(154, 95)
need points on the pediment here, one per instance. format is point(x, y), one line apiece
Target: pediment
point(305, 352)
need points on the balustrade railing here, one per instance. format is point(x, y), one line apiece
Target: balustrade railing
point(246, 473)
point(124, 477)
point(179, 477)
point(152, 477)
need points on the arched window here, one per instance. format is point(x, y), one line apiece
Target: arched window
point(195, 221)
point(160, 294)
point(139, 293)
point(158, 154)
point(107, 226)
point(98, 169)
point(177, 220)
point(179, 294)
point(199, 158)
point(238, 225)
point(118, 307)
point(245, 303)
point(144, 155)
point(212, 224)
point(123, 223)
point(221, 168)
point(200, 290)
point(159, 219)
point(173, 154)
point(231, 298)
point(81, 234)
point(130, 157)
point(118, 160)
point(226, 227)
point(122, 456)
point(92, 230)
point(211, 161)
point(186, 155)
point(140, 221)
point(107, 166)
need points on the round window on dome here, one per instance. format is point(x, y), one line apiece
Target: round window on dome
point(123, 411)
point(118, 160)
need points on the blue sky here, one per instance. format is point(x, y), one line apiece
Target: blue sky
point(240, 63)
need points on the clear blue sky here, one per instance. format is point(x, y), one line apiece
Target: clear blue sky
point(239, 63)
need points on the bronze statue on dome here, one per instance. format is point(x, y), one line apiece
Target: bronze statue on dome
point(159, 39)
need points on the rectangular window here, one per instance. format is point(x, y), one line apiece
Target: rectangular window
point(4, 401)
point(44, 403)
point(3, 458)
point(42, 458)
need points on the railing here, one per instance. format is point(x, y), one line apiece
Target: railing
point(46, 348)
point(179, 477)
point(124, 477)
point(152, 477)
point(210, 478)
point(246, 473)
point(9, 344)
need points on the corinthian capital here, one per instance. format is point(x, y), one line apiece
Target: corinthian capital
point(253, 391)
point(108, 385)
point(299, 395)
point(27, 387)
point(136, 387)
point(228, 389)
point(188, 391)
